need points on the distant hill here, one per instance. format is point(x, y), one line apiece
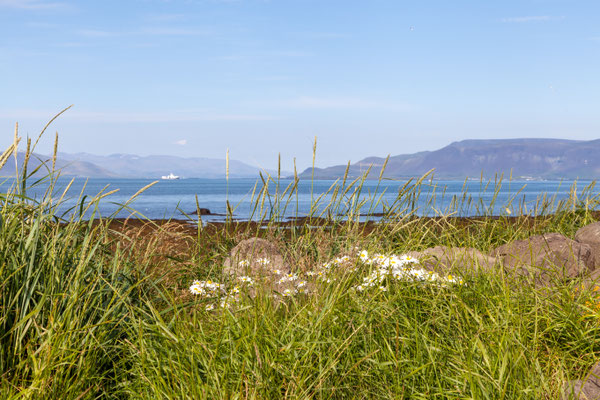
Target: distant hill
point(526, 158)
point(69, 168)
point(133, 166)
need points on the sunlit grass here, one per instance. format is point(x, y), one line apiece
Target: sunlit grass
point(90, 312)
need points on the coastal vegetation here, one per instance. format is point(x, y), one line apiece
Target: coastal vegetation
point(102, 308)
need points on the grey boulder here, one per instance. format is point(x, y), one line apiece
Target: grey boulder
point(443, 259)
point(255, 257)
point(585, 389)
point(546, 257)
point(590, 235)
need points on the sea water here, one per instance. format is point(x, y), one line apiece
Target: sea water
point(177, 199)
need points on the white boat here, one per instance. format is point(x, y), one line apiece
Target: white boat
point(170, 177)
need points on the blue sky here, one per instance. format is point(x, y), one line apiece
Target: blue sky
point(260, 77)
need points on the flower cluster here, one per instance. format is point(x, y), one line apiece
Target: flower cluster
point(259, 261)
point(214, 290)
point(207, 288)
point(326, 272)
point(246, 279)
point(402, 268)
point(299, 285)
point(337, 262)
point(384, 270)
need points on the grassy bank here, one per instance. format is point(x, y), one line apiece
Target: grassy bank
point(88, 310)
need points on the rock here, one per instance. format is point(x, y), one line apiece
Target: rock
point(261, 256)
point(590, 235)
point(546, 257)
point(442, 259)
point(201, 211)
point(586, 389)
point(261, 260)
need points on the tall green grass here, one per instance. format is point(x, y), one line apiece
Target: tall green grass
point(86, 314)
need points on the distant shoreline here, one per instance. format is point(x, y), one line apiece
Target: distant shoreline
point(121, 223)
point(349, 178)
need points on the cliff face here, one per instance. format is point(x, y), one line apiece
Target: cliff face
point(531, 158)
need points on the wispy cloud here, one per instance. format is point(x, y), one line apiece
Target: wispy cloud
point(180, 142)
point(42, 25)
point(533, 18)
point(97, 33)
point(287, 53)
point(154, 31)
point(70, 44)
point(322, 35)
point(263, 54)
point(133, 117)
point(274, 78)
point(31, 4)
point(309, 102)
point(169, 117)
point(168, 31)
point(165, 17)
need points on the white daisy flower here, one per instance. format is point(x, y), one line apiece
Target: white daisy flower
point(291, 277)
point(405, 258)
point(363, 255)
point(263, 261)
point(196, 289)
point(225, 303)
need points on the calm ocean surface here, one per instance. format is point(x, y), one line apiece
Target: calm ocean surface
point(168, 199)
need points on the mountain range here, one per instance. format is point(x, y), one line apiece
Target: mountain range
point(523, 158)
point(133, 166)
